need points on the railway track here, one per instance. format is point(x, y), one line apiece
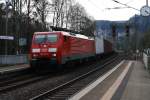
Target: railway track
point(26, 79)
point(69, 88)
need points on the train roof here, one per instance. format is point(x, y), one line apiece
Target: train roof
point(68, 34)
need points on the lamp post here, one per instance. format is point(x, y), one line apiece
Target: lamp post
point(6, 27)
point(136, 37)
point(147, 2)
point(7, 8)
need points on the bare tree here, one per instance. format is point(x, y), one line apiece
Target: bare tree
point(70, 15)
point(58, 12)
point(43, 7)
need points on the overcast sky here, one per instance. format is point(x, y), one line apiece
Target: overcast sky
point(96, 8)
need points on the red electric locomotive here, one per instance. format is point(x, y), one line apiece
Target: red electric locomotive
point(60, 47)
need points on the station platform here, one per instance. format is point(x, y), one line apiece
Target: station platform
point(138, 86)
point(13, 68)
point(129, 80)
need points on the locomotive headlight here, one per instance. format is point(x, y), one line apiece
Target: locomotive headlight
point(35, 55)
point(52, 49)
point(36, 50)
point(54, 54)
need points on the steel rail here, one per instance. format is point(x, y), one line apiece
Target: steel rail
point(42, 95)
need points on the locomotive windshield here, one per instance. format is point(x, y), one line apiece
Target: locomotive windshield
point(51, 38)
point(45, 38)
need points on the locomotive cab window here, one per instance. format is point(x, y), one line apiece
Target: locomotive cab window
point(39, 38)
point(52, 38)
point(45, 38)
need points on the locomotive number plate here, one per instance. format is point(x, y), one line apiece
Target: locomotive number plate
point(44, 50)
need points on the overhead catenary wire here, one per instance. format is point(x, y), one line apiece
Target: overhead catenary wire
point(121, 6)
point(116, 8)
point(94, 5)
point(125, 5)
point(129, 1)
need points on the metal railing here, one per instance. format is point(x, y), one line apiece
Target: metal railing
point(146, 60)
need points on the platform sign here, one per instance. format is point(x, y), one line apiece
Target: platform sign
point(6, 38)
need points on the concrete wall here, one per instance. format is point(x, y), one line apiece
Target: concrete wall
point(13, 59)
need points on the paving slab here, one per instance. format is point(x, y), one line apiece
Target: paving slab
point(138, 86)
